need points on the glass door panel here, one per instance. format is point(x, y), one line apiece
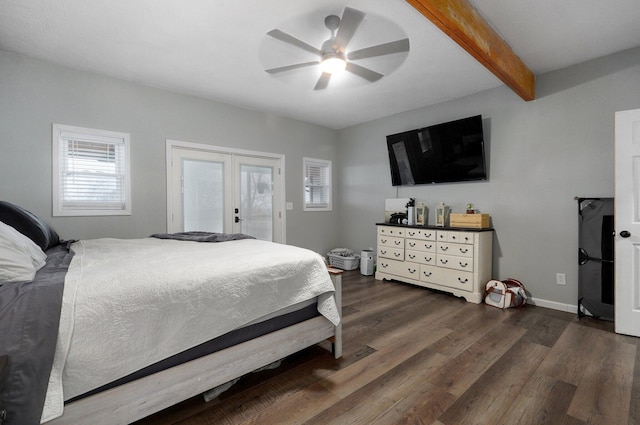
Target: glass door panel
point(257, 198)
point(203, 196)
point(201, 192)
point(256, 201)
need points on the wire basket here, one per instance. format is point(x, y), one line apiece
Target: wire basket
point(345, 263)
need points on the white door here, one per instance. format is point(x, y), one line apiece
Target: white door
point(627, 219)
point(224, 193)
point(257, 196)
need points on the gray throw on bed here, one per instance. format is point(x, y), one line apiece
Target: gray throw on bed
point(202, 236)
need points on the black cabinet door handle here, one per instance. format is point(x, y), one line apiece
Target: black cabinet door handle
point(625, 234)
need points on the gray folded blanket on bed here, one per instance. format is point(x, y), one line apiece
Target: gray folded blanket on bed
point(202, 236)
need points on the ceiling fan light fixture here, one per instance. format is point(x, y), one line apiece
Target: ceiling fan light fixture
point(332, 64)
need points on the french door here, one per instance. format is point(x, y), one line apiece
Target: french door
point(224, 191)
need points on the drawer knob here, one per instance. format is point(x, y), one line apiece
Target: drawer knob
point(427, 274)
point(463, 280)
point(383, 240)
point(428, 259)
point(463, 264)
point(464, 250)
point(383, 252)
point(384, 265)
point(444, 248)
point(412, 256)
point(397, 242)
point(397, 254)
point(444, 261)
point(411, 270)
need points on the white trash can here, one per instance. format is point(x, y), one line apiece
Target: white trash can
point(366, 262)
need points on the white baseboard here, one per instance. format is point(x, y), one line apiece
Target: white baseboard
point(569, 308)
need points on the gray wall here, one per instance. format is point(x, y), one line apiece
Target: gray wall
point(541, 155)
point(35, 94)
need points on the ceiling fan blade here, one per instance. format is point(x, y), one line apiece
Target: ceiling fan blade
point(380, 50)
point(323, 81)
point(351, 19)
point(363, 72)
point(283, 36)
point(291, 67)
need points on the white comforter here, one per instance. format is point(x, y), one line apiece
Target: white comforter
point(130, 303)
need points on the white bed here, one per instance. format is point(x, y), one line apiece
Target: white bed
point(130, 303)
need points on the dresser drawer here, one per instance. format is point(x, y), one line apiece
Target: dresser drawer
point(391, 231)
point(453, 278)
point(447, 236)
point(455, 262)
point(421, 234)
point(447, 277)
point(389, 252)
point(390, 241)
point(421, 257)
point(418, 245)
point(459, 249)
point(428, 273)
point(399, 268)
point(453, 236)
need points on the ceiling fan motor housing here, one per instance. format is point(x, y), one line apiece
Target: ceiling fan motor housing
point(331, 50)
point(332, 22)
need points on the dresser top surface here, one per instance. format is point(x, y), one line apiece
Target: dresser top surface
point(455, 229)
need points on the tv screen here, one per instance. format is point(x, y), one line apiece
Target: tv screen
point(447, 152)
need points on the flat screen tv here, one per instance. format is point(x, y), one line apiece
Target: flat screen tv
point(447, 152)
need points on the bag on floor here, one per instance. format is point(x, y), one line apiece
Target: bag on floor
point(505, 293)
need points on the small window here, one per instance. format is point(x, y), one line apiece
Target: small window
point(90, 172)
point(317, 184)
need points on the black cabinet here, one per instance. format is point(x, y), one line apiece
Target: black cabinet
point(595, 258)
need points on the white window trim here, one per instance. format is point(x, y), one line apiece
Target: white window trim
point(322, 163)
point(98, 135)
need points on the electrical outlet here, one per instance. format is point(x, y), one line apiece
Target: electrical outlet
point(561, 279)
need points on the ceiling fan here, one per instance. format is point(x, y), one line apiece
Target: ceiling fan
point(333, 54)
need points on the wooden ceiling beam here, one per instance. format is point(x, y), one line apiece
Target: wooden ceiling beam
point(462, 22)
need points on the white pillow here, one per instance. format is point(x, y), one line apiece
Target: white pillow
point(20, 257)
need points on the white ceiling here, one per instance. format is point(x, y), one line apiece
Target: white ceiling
point(219, 49)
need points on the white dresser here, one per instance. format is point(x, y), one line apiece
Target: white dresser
point(453, 260)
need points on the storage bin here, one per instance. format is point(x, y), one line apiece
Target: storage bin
point(345, 263)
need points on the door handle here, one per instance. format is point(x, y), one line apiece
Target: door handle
point(625, 234)
point(237, 219)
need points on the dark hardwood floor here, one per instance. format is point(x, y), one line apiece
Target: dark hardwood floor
point(415, 356)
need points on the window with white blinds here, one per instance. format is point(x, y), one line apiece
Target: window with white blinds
point(91, 172)
point(317, 184)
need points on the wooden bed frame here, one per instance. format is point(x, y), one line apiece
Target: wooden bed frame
point(138, 399)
